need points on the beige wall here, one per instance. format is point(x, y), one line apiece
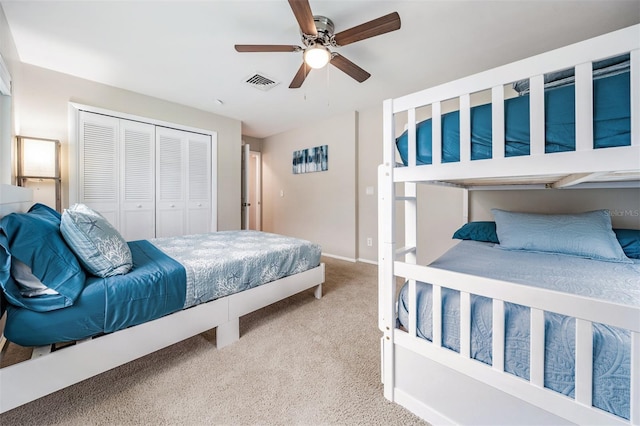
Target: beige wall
point(624, 204)
point(320, 206)
point(41, 100)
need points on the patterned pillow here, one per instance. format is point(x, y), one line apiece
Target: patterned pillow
point(96, 243)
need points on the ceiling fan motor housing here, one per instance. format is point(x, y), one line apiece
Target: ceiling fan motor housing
point(325, 30)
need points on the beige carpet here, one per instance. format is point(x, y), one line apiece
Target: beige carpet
point(299, 361)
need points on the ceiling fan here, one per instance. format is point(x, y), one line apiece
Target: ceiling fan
point(318, 36)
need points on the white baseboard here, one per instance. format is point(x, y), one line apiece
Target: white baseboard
point(348, 259)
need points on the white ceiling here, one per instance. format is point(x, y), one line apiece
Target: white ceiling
point(182, 51)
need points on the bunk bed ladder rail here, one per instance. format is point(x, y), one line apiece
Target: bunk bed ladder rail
point(388, 251)
point(386, 254)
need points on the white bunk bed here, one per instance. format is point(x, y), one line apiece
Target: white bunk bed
point(48, 371)
point(447, 387)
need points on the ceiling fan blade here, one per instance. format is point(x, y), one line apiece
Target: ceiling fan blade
point(302, 73)
point(302, 12)
point(348, 67)
point(267, 48)
point(382, 25)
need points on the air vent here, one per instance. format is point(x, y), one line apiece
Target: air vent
point(260, 81)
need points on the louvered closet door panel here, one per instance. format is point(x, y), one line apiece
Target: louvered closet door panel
point(137, 180)
point(170, 182)
point(199, 184)
point(98, 164)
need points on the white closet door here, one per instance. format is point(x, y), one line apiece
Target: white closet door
point(137, 177)
point(98, 164)
point(170, 182)
point(199, 184)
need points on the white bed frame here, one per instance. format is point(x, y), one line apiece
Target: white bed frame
point(47, 372)
point(445, 387)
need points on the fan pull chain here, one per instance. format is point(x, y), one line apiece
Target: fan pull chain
point(328, 86)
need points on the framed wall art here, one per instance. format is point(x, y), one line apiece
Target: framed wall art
point(311, 160)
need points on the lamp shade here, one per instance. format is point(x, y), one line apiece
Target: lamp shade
point(317, 56)
point(38, 157)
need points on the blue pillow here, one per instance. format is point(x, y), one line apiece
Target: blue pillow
point(98, 245)
point(629, 240)
point(587, 235)
point(34, 239)
point(478, 231)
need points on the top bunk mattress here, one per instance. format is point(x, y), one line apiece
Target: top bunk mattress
point(611, 126)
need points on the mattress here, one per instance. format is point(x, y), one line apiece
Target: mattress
point(611, 127)
point(222, 263)
point(615, 282)
point(169, 274)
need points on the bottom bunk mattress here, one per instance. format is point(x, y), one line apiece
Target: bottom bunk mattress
point(168, 274)
point(615, 282)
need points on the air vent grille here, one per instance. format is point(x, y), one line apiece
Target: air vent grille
point(260, 81)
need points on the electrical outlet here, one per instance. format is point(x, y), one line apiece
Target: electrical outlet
point(369, 242)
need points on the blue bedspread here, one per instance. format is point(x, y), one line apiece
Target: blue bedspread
point(226, 262)
point(614, 282)
point(169, 274)
point(153, 288)
point(612, 124)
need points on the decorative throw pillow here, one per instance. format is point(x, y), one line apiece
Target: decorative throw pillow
point(34, 239)
point(629, 240)
point(586, 235)
point(478, 231)
point(98, 245)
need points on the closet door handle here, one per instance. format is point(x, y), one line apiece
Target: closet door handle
point(139, 206)
point(172, 205)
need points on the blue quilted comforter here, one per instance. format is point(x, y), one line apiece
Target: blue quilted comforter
point(615, 282)
point(226, 262)
point(169, 274)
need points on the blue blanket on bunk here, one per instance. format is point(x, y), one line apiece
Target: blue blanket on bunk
point(614, 282)
point(153, 288)
point(612, 124)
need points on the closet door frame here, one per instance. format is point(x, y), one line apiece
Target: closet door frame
point(74, 167)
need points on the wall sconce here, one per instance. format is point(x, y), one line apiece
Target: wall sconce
point(39, 166)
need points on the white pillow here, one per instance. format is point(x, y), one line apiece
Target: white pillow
point(29, 284)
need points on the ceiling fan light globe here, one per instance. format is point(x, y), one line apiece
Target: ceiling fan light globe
point(317, 57)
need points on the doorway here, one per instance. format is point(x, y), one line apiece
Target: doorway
point(251, 189)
